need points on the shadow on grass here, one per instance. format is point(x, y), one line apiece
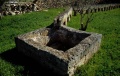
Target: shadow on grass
point(31, 67)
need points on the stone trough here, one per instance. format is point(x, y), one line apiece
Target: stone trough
point(62, 49)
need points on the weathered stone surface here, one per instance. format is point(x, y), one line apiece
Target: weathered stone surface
point(64, 17)
point(95, 8)
point(62, 50)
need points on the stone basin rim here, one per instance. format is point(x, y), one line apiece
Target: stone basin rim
point(66, 56)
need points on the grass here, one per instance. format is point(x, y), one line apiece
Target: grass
point(104, 63)
point(11, 26)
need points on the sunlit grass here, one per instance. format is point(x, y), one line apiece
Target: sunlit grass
point(106, 61)
point(11, 26)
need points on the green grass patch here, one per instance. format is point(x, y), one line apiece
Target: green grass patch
point(11, 26)
point(104, 63)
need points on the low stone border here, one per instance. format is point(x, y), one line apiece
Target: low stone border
point(64, 17)
point(96, 8)
point(15, 9)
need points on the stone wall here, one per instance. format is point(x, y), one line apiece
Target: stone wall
point(95, 8)
point(64, 17)
point(61, 50)
point(14, 9)
point(36, 5)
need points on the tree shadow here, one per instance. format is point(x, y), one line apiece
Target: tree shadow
point(31, 66)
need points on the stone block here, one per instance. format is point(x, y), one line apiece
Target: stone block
point(61, 50)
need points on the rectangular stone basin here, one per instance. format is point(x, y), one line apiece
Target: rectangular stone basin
point(61, 50)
